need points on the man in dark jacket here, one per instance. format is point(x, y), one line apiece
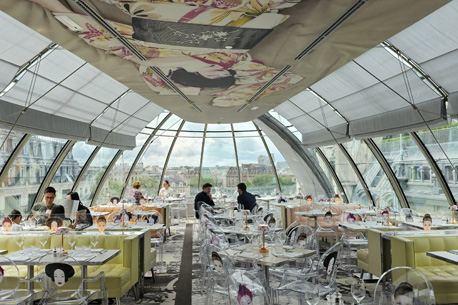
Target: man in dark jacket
point(204, 196)
point(247, 200)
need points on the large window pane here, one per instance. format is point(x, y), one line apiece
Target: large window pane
point(447, 136)
point(94, 173)
point(376, 180)
point(27, 172)
point(7, 147)
point(420, 185)
point(353, 188)
point(325, 169)
point(69, 170)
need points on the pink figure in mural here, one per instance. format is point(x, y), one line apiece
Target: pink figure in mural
point(244, 296)
point(217, 262)
point(309, 199)
point(7, 224)
point(351, 218)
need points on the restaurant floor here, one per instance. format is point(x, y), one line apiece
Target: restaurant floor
point(178, 281)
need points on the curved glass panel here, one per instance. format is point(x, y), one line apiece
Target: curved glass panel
point(353, 188)
point(447, 136)
point(420, 185)
point(325, 169)
point(70, 168)
point(373, 174)
point(94, 173)
point(117, 177)
point(7, 147)
point(27, 172)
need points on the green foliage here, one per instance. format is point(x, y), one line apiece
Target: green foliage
point(286, 181)
point(263, 180)
point(149, 182)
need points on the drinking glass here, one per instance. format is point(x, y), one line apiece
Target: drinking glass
point(71, 238)
point(386, 298)
point(94, 240)
point(312, 294)
point(43, 239)
point(358, 289)
point(20, 240)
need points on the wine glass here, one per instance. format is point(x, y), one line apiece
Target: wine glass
point(71, 238)
point(312, 294)
point(43, 239)
point(94, 240)
point(358, 289)
point(20, 240)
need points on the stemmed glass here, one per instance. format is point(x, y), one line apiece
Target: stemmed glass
point(312, 294)
point(71, 238)
point(358, 289)
point(43, 239)
point(94, 240)
point(20, 240)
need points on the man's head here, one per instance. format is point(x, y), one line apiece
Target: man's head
point(241, 187)
point(50, 194)
point(207, 188)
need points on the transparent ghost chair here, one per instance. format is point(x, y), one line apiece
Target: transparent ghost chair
point(404, 285)
point(61, 280)
point(176, 210)
point(352, 242)
point(323, 276)
point(246, 289)
point(216, 276)
point(157, 241)
point(326, 232)
point(291, 232)
point(13, 285)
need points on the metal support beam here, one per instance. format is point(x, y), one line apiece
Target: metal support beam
point(105, 176)
point(333, 173)
point(141, 152)
point(358, 174)
point(85, 167)
point(236, 154)
point(270, 156)
point(16, 152)
point(169, 154)
point(303, 153)
point(199, 186)
point(53, 169)
point(440, 178)
point(388, 172)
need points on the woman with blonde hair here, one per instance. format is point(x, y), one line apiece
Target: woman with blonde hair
point(135, 192)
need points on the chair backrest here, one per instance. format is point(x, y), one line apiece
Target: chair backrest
point(9, 278)
point(405, 285)
point(246, 288)
point(305, 237)
point(291, 232)
point(327, 266)
point(116, 217)
point(58, 279)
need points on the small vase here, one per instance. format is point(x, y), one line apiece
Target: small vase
point(263, 249)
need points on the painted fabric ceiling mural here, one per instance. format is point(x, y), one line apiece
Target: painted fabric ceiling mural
point(197, 44)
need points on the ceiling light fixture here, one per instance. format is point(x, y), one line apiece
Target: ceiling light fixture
point(69, 23)
point(255, 108)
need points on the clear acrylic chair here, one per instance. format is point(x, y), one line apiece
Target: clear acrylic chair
point(404, 285)
point(352, 242)
point(291, 232)
point(246, 288)
point(157, 241)
point(11, 282)
point(215, 273)
point(61, 281)
point(177, 209)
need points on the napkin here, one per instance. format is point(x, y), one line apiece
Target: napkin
point(292, 254)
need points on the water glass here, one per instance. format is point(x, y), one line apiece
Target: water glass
point(94, 240)
point(358, 289)
point(43, 239)
point(312, 294)
point(386, 298)
point(20, 240)
point(71, 238)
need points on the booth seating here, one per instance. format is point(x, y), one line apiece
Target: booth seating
point(372, 259)
point(291, 217)
point(411, 252)
point(121, 273)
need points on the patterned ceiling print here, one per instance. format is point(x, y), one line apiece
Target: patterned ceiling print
point(197, 45)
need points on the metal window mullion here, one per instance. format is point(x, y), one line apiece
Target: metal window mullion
point(440, 178)
point(358, 174)
point(85, 167)
point(333, 173)
point(105, 176)
point(270, 156)
point(53, 169)
point(388, 172)
point(14, 154)
point(236, 154)
point(169, 154)
point(202, 158)
point(142, 151)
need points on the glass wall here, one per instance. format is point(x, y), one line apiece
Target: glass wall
point(27, 172)
point(325, 169)
point(7, 145)
point(94, 173)
point(375, 177)
point(420, 185)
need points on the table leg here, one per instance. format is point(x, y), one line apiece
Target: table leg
point(30, 284)
point(141, 257)
point(316, 223)
point(84, 278)
point(266, 272)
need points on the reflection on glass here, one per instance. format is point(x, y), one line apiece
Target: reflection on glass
point(325, 169)
point(413, 172)
point(376, 180)
point(94, 173)
point(27, 172)
point(7, 147)
point(285, 174)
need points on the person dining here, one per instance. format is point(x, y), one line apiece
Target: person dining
point(204, 196)
point(16, 218)
point(247, 200)
point(83, 214)
point(58, 211)
point(166, 191)
point(135, 191)
point(49, 196)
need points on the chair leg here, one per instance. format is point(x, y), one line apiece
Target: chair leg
point(118, 301)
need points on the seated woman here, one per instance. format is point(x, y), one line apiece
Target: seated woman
point(135, 191)
point(16, 218)
point(83, 214)
point(166, 191)
point(58, 211)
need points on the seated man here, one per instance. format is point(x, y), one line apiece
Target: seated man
point(247, 200)
point(39, 208)
point(204, 196)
